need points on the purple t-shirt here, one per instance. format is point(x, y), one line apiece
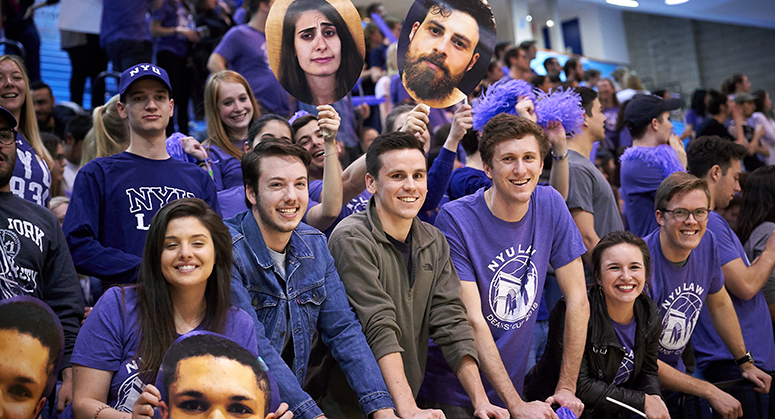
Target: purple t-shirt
point(626, 335)
point(245, 50)
point(611, 140)
point(124, 19)
point(227, 171)
point(643, 169)
point(173, 15)
point(680, 293)
point(757, 334)
point(508, 261)
point(357, 204)
point(109, 337)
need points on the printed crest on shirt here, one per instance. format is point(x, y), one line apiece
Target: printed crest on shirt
point(513, 288)
point(681, 310)
point(14, 279)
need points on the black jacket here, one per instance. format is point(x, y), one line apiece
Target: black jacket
point(602, 357)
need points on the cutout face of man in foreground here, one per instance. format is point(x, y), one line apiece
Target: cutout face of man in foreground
point(441, 50)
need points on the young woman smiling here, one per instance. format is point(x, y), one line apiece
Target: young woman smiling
point(31, 176)
point(229, 109)
point(184, 285)
point(620, 357)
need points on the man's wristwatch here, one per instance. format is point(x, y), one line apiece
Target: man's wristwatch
point(560, 157)
point(746, 358)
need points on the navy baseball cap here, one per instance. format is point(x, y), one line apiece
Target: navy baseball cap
point(643, 108)
point(141, 71)
point(8, 117)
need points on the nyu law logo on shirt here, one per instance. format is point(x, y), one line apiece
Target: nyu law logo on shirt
point(680, 309)
point(147, 200)
point(513, 288)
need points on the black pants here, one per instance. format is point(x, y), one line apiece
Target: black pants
point(125, 53)
point(181, 79)
point(26, 34)
point(88, 61)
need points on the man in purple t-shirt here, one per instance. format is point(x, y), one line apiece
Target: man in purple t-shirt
point(243, 49)
point(717, 161)
point(686, 275)
point(501, 241)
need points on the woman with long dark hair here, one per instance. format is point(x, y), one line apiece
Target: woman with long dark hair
point(697, 113)
point(756, 221)
point(319, 59)
point(183, 285)
point(620, 356)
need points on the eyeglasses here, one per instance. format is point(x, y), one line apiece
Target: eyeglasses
point(682, 214)
point(7, 136)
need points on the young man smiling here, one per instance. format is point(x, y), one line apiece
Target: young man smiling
point(400, 280)
point(501, 240)
point(717, 160)
point(687, 275)
point(285, 278)
point(114, 198)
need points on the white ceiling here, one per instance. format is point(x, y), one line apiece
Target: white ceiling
point(740, 12)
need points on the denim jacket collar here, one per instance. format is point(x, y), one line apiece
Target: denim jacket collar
point(297, 248)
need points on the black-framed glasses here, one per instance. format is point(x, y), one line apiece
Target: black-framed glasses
point(682, 214)
point(7, 136)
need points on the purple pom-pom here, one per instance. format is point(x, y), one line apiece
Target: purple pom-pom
point(565, 413)
point(298, 115)
point(500, 97)
point(561, 105)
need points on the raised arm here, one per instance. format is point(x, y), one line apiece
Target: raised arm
point(745, 282)
point(217, 63)
point(323, 215)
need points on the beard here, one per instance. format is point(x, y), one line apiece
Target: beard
point(424, 81)
point(7, 165)
point(265, 214)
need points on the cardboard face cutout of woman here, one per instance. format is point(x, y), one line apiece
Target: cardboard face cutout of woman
point(444, 49)
point(316, 48)
point(203, 373)
point(31, 347)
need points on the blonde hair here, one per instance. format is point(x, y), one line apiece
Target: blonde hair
point(216, 132)
point(28, 124)
point(108, 136)
point(392, 59)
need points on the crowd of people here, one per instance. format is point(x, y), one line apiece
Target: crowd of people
point(393, 260)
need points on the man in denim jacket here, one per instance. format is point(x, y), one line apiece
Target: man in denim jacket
point(285, 277)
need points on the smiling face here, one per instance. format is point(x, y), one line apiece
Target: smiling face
point(622, 275)
point(516, 166)
point(23, 375)
point(400, 187)
point(605, 89)
point(208, 387)
point(440, 52)
point(12, 87)
point(317, 43)
point(678, 237)
point(311, 138)
point(148, 107)
point(188, 254)
point(281, 196)
point(235, 108)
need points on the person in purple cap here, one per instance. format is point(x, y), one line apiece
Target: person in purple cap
point(34, 260)
point(114, 198)
point(656, 153)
